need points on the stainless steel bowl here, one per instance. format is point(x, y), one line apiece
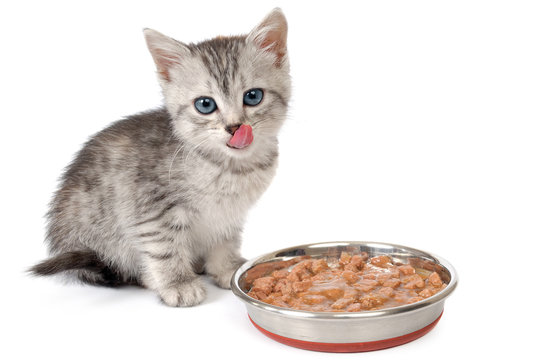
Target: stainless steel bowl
point(344, 331)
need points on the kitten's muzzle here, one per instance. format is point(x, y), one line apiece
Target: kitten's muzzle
point(241, 136)
point(231, 129)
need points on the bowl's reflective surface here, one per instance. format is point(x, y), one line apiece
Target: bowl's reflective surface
point(342, 327)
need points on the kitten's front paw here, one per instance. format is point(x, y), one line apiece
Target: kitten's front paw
point(188, 293)
point(224, 277)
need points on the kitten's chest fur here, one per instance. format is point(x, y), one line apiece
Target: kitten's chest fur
point(224, 193)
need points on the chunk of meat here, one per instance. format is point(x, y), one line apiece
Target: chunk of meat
point(369, 301)
point(366, 285)
point(332, 293)
point(293, 277)
point(319, 265)
point(303, 265)
point(414, 299)
point(264, 269)
point(370, 276)
point(280, 274)
point(258, 295)
point(264, 284)
point(381, 261)
point(382, 277)
point(357, 261)
point(394, 272)
point(322, 277)
point(392, 282)
point(350, 293)
point(342, 303)
point(414, 282)
point(351, 267)
point(301, 271)
point(435, 280)
point(426, 293)
point(386, 291)
point(301, 286)
point(280, 285)
point(287, 288)
point(406, 269)
point(345, 258)
point(350, 276)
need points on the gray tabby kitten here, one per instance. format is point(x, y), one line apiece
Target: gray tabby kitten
point(160, 197)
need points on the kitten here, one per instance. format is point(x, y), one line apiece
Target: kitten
point(159, 197)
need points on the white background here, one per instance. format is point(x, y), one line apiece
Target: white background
point(412, 122)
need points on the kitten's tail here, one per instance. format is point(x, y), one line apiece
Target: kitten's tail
point(90, 268)
point(72, 260)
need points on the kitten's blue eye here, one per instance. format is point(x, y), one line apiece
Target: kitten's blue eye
point(205, 105)
point(253, 97)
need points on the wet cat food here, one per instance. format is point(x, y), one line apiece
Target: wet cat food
point(349, 283)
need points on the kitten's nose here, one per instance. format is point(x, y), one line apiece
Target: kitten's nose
point(232, 128)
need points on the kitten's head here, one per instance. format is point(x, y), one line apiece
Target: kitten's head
point(213, 87)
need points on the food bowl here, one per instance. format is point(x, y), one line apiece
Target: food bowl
point(345, 331)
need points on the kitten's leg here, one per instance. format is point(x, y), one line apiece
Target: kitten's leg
point(168, 270)
point(222, 262)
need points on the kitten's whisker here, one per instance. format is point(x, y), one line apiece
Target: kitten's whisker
point(180, 146)
point(194, 148)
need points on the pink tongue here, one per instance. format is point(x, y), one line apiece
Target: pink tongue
point(242, 137)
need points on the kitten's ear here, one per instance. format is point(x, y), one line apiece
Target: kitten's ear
point(166, 52)
point(271, 35)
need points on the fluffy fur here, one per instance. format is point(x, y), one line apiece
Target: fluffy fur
point(158, 197)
